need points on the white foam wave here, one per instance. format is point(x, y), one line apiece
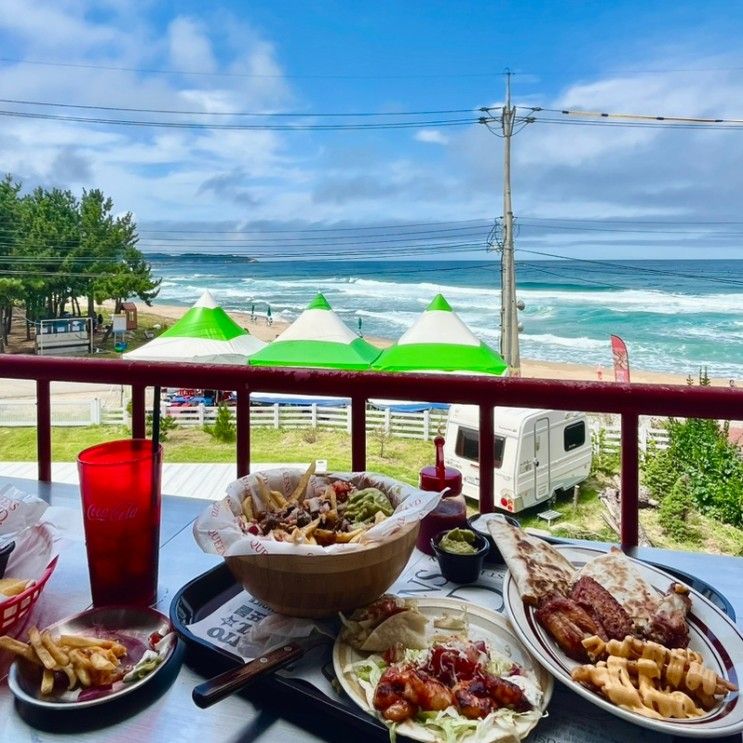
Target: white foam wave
point(633, 300)
point(581, 343)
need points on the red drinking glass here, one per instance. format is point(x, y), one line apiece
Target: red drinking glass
point(120, 488)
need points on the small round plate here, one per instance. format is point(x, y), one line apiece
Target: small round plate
point(132, 626)
point(483, 625)
point(711, 633)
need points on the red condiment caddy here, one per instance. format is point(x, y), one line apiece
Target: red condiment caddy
point(452, 509)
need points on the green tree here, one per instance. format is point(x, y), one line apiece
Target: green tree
point(700, 450)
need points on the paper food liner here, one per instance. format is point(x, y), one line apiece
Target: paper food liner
point(218, 532)
point(18, 511)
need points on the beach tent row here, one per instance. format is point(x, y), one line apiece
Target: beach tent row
point(439, 341)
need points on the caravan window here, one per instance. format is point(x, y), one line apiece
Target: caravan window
point(468, 444)
point(574, 435)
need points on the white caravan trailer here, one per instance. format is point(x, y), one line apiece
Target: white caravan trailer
point(537, 453)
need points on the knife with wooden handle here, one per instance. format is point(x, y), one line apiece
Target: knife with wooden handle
point(219, 687)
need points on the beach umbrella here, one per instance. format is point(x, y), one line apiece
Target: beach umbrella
point(439, 341)
point(206, 334)
point(317, 338)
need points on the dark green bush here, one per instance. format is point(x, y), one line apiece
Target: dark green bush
point(224, 427)
point(699, 449)
point(675, 510)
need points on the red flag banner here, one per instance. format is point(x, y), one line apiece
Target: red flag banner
point(621, 359)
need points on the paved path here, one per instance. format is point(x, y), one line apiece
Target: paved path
point(208, 481)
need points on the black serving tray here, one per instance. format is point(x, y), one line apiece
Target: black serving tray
point(294, 699)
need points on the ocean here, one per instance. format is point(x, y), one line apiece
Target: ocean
point(675, 316)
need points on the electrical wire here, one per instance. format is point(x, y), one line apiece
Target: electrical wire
point(277, 114)
point(239, 127)
point(204, 73)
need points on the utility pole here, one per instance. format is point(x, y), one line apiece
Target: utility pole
point(508, 269)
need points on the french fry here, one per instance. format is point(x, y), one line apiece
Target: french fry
point(101, 663)
point(248, 507)
point(19, 648)
point(350, 536)
point(300, 491)
point(80, 660)
point(44, 655)
point(83, 675)
point(264, 494)
point(330, 492)
point(71, 676)
point(278, 499)
point(13, 586)
point(59, 655)
point(47, 682)
point(80, 641)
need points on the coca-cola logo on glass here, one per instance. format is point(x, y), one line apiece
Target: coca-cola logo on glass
point(112, 513)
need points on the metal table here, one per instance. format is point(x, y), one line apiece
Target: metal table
point(165, 711)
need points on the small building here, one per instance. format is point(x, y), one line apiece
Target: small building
point(130, 310)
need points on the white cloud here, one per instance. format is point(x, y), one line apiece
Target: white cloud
point(432, 136)
point(189, 47)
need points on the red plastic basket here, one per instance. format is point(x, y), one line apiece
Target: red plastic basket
point(17, 607)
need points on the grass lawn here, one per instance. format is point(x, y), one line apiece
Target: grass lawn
point(395, 457)
point(398, 458)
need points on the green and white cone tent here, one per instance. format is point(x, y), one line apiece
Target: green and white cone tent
point(317, 338)
point(439, 341)
point(206, 334)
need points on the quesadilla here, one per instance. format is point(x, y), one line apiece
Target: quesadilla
point(537, 568)
point(623, 581)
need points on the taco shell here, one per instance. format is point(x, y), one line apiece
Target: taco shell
point(406, 627)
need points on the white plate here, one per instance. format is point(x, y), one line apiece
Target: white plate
point(131, 625)
point(711, 633)
point(483, 625)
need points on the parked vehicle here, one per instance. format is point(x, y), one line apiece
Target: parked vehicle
point(538, 453)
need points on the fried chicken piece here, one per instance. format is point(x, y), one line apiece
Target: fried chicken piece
point(472, 698)
point(401, 692)
point(603, 607)
point(568, 624)
point(668, 625)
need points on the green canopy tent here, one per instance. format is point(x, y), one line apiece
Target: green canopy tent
point(206, 334)
point(439, 341)
point(317, 338)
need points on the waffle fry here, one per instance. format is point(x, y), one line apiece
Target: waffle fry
point(652, 680)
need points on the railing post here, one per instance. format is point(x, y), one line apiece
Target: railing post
point(200, 412)
point(630, 482)
point(313, 415)
point(139, 430)
point(358, 434)
point(43, 430)
point(276, 415)
point(427, 424)
point(242, 421)
point(487, 459)
point(387, 421)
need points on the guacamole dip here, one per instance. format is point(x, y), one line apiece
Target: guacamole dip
point(459, 541)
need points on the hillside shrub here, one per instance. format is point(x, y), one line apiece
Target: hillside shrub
point(699, 449)
point(224, 427)
point(675, 510)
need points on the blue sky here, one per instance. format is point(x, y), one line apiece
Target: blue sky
point(580, 191)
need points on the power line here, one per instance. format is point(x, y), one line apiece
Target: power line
point(622, 267)
point(205, 73)
point(239, 127)
point(306, 115)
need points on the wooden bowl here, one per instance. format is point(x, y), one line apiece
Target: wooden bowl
point(323, 585)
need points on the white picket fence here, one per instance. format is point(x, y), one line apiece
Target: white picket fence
point(421, 425)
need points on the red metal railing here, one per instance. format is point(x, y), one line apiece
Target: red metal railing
point(628, 401)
